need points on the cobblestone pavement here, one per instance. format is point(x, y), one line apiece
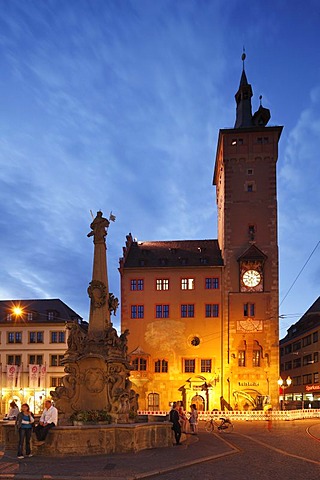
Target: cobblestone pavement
point(283, 450)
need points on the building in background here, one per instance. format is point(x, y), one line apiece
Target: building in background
point(203, 314)
point(299, 360)
point(33, 336)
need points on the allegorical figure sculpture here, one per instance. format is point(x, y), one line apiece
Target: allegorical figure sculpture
point(99, 227)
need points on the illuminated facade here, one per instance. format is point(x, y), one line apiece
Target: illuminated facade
point(33, 337)
point(299, 360)
point(203, 314)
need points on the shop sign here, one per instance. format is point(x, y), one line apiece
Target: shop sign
point(313, 388)
point(248, 384)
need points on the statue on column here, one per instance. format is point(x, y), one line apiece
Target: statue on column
point(99, 227)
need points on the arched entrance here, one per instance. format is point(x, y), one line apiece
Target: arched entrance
point(199, 402)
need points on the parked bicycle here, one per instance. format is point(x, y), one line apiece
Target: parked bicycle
point(222, 425)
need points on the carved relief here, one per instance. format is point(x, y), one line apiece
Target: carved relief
point(94, 380)
point(97, 291)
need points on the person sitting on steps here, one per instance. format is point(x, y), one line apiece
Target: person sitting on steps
point(48, 420)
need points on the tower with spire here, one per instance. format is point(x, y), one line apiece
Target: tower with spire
point(245, 180)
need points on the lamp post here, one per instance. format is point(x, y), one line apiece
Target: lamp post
point(284, 384)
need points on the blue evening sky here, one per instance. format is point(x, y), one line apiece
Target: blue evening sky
point(116, 105)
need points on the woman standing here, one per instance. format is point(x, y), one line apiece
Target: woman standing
point(193, 419)
point(24, 423)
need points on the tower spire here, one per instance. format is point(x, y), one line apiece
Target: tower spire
point(243, 100)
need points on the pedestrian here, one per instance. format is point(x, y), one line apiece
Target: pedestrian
point(183, 418)
point(48, 420)
point(193, 419)
point(175, 420)
point(23, 425)
point(13, 411)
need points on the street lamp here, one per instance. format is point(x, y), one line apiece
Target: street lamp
point(284, 384)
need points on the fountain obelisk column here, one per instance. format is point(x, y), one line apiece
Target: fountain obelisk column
point(99, 318)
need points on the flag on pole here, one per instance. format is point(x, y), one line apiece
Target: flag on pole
point(43, 371)
point(12, 371)
point(34, 372)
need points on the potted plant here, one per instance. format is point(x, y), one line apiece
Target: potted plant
point(90, 417)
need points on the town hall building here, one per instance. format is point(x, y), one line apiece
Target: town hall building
point(203, 314)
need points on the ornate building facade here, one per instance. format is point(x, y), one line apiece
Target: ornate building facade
point(203, 314)
point(33, 341)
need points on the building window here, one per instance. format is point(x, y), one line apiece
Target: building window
point(51, 316)
point(35, 359)
point(241, 358)
point(315, 337)
point(137, 284)
point(56, 381)
point(29, 316)
point(153, 401)
point(315, 357)
point(195, 341)
point(249, 187)
point(316, 377)
point(296, 346)
point(162, 311)
point(187, 310)
point(56, 360)
point(297, 363)
point(162, 284)
point(161, 366)
point(212, 310)
point(187, 284)
point(251, 232)
point(139, 364)
point(288, 365)
point(256, 358)
point(137, 311)
point(9, 317)
point(307, 359)
point(189, 365)
point(212, 283)
point(249, 310)
point(296, 381)
point(58, 337)
point(206, 365)
point(306, 341)
point(288, 349)
point(250, 171)
point(307, 379)
point(35, 337)
point(14, 337)
point(13, 359)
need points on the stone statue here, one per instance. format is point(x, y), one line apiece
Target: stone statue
point(99, 228)
point(76, 338)
point(113, 303)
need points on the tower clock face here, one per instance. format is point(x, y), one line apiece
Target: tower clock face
point(251, 278)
